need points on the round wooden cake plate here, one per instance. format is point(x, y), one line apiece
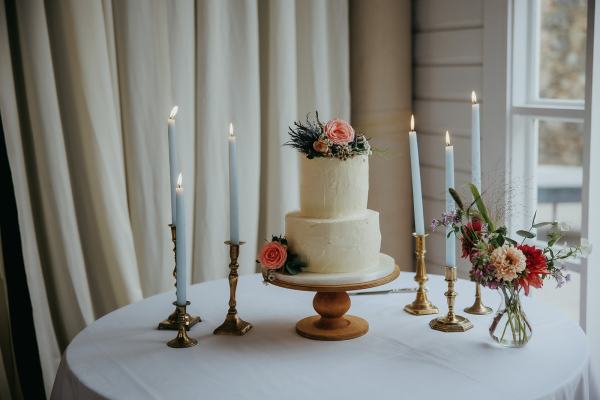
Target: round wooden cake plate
point(332, 302)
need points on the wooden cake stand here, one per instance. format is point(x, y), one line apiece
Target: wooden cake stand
point(331, 303)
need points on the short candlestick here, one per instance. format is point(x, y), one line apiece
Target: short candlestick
point(451, 322)
point(182, 340)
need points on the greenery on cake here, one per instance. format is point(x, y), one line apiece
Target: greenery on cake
point(334, 139)
point(276, 256)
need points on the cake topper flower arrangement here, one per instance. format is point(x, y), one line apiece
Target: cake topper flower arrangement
point(501, 262)
point(275, 256)
point(336, 138)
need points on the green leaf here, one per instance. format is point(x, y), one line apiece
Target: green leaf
point(511, 241)
point(481, 207)
point(456, 198)
point(525, 234)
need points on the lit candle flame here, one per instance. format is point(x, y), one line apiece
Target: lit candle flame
point(173, 112)
point(231, 129)
point(179, 181)
point(447, 138)
point(412, 122)
point(473, 97)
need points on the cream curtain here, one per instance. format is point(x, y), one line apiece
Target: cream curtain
point(86, 90)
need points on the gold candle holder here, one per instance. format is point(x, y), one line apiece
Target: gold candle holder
point(421, 305)
point(478, 308)
point(182, 340)
point(233, 324)
point(451, 322)
point(171, 323)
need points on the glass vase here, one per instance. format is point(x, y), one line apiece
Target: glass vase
point(510, 327)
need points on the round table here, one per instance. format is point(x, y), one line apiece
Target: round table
point(124, 356)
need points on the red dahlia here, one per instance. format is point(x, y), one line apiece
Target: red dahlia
point(536, 268)
point(470, 235)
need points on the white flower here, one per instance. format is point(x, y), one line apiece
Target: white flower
point(585, 247)
point(564, 227)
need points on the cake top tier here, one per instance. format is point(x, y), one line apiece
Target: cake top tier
point(333, 139)
point(332, 188)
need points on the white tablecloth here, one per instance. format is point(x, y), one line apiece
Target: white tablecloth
point(123, 356)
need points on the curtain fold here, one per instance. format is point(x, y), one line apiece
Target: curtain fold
point(87, 89)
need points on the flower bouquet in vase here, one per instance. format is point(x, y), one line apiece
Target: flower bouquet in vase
point(506, 264)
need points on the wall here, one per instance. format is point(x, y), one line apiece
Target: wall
point(448, 57)
point(380, 76)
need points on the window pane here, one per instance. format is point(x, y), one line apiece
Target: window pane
point(560, 175)
point(562, 49)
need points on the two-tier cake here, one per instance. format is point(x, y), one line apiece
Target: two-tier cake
point(333, 233)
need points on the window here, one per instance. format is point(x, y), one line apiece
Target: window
point(547, 120)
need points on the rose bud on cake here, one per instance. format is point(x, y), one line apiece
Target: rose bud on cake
point(273, 255)
point(339, 131)
point(321, 146)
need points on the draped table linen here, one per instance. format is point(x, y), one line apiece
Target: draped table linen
point(123, 356)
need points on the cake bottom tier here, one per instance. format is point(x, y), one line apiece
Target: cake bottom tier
point(346, 244)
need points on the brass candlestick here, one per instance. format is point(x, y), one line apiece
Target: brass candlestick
point(421, 305)
point(182, 340)
point(171, 323)
point(478, 308)
point(233, 324)
point(451, 322)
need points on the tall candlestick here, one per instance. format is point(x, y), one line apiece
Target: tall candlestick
point(451, 240)
point(234, 217)
point(416, 178)
point(172, 162)
point(181, 281)
point(475, 142)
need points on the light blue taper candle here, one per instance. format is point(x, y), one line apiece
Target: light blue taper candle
point(416, 179)
point(181, 281)
point(172, 162)
point(234, 211)
point(475, 143)
point(450, 241)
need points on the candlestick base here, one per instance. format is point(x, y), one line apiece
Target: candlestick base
point(421, 305)
point(451, 322)
point(182, 340)
point(233, 324)
point(478, 308)
point(171, 324)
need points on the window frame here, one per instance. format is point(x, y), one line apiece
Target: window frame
point(527, 109)
point(506, 97)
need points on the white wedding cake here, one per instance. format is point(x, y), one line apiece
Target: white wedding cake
point(334, 231)
point(334, 238)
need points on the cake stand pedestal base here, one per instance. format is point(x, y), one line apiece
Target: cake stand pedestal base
point(332, 323)
point(332, 302)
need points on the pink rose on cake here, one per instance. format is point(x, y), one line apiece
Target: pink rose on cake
point(273, 255)
point(339, 131)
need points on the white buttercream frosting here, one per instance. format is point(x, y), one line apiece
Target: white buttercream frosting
point(332, 245)
point(331, 188)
